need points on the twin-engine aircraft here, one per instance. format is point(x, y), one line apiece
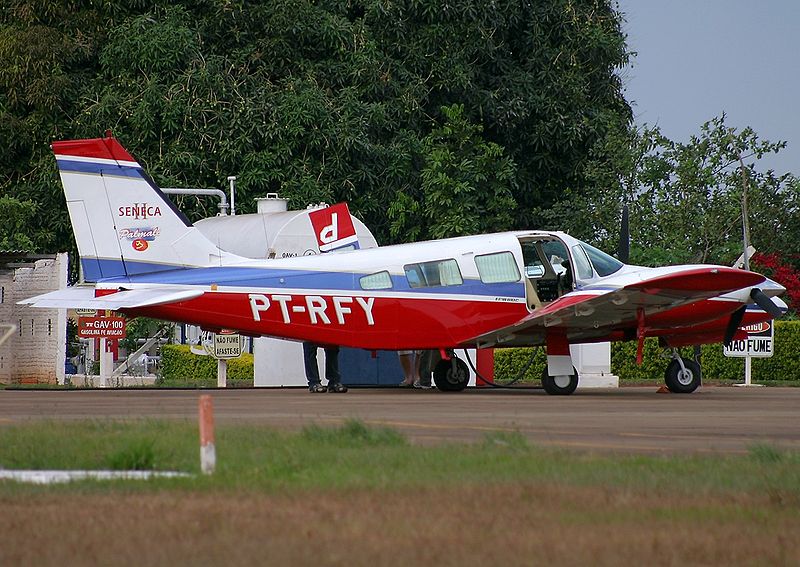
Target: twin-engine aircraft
point(522, 288)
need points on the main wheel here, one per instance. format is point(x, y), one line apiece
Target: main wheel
point(562, 385)
point(451, 375)
point(681, 381)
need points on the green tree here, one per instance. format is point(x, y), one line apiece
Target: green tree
point(685, 198)
point(318, 101)
point(465, 184)
point(17, 216)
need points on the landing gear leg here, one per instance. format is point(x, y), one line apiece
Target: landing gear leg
point(682, 375)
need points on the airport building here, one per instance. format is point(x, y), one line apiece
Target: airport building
point(34, 349)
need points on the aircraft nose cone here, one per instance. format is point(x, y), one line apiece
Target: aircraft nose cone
point(771, 287)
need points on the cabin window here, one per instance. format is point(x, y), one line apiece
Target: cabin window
point(379, 280)
point(534, 267)
point(582, 264)
point(433, 274)
point(604, 264)
point(497, 268)
point(555, 252)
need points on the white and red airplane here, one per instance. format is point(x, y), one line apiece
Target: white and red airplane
point(495, 290)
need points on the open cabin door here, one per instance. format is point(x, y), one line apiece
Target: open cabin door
point(547, 270)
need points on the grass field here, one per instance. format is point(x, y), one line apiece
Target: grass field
point(357, 495)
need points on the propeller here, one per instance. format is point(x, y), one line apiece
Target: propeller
point(765, 303)
point(733, 324)
point(624, 249)
point(762, 300)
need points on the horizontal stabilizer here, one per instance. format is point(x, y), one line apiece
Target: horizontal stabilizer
point(83, 298)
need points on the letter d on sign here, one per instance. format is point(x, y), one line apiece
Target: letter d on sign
point(330, 233)
point(208, 454)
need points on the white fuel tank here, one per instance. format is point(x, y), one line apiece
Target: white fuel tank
point(273, 232)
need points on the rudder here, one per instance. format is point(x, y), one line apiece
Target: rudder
point(124, 225)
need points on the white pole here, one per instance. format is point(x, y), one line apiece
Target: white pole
point(745, 220)
point(222, 373)
point(232, 180)
point(748, 365)
point(106, 363)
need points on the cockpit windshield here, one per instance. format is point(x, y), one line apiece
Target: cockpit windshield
point(604, 264)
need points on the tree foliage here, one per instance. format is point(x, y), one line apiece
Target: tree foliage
point(685, 198)
point(465, 184)
point(17, 216)
point(342, 100)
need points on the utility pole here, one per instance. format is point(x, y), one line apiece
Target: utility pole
point(745, 221)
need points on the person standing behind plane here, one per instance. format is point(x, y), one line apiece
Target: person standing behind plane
point(331, 368)
point(426, 362)
point(416, 368)
point(409, 361)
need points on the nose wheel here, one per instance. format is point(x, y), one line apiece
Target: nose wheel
point(682, 376)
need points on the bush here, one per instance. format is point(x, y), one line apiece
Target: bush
point(179, 363)
point(783, 365)
point(509, 362)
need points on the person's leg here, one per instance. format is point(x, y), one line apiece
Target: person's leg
point(428, 360)
point(407, 364)
point(332, 364)
point(310, 363)
point(332, 370)
point(418, 381)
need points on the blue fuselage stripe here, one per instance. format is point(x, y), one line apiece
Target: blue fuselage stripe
point(141, 272)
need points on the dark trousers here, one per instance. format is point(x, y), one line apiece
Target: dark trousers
point(430, 358)
point(331, 363)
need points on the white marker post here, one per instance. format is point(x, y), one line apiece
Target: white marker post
point(106, 362)
point(208, 453)
point(222, 373)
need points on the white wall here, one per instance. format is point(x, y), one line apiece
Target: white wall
point(36, 352)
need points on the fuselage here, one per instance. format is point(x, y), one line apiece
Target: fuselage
point(434, 294)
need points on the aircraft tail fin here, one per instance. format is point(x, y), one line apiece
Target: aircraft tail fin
point(124, 225)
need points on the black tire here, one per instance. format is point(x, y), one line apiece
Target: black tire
point(680, 382)
point(559, 385)
point(451, 375)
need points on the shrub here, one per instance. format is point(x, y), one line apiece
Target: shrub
point(179, 363)
point(510, 362)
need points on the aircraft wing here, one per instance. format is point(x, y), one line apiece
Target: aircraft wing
point(596, 311)
point(81, 297)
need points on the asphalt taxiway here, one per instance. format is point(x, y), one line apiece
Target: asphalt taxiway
point(628, 419)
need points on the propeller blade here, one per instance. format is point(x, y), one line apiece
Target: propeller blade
point(733, 324)
point(624, 249)
point(765, 303)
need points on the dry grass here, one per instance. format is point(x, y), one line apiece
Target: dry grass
point(495, 524)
